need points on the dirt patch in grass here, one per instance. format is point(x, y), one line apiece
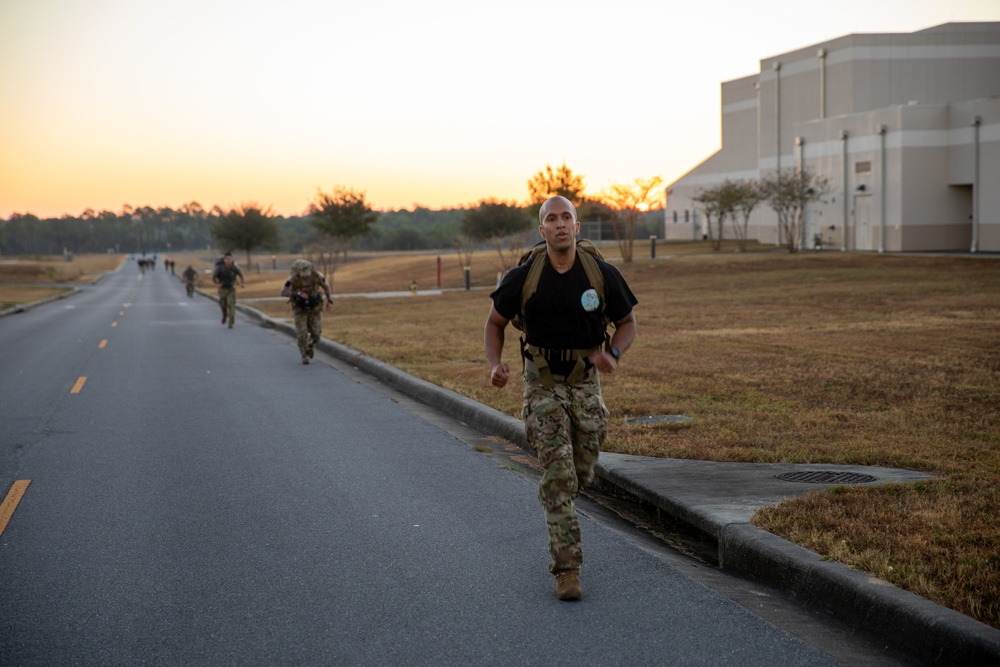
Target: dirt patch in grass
point(811, 358)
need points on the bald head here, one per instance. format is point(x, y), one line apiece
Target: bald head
point(555, 202)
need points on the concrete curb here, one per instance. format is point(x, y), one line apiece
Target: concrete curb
point(13, 310)
point(475, 414)
point(923, 629)
point(20, 308)
point(931, 632)
point(672, 508)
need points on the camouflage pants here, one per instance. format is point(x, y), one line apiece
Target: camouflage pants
point(227, 301)
point(308, 328)
point(565, 426)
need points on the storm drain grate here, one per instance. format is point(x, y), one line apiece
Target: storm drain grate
point(826, 477)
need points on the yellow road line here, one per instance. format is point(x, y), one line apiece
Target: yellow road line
point(103, 344)
point(114, 324)
point(10, 502)
point(79, 384)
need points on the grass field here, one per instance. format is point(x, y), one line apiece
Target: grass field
point(27, 279)
point(808, 358)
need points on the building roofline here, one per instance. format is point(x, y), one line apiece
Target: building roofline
point(961, 27)
point(989, 30)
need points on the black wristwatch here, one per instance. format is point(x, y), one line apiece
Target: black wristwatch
point(616, 353)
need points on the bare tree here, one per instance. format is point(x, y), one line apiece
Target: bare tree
point(465, 248)
point(325, 253)
point(630, 201)
point(715, 206)
point(788, 193)
point(745, 195)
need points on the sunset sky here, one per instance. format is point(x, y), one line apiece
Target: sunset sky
point(438, 103)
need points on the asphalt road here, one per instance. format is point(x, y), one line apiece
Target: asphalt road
point(202, 498)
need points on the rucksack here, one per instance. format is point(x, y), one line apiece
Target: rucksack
point(588, 254)
point(310, 285)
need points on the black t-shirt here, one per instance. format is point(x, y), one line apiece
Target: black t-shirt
point(562, 313)
point(227, 276)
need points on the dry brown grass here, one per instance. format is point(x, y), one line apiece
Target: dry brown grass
point(812, 358)
point(18, 295)
point(25, 276)
point(55, 269)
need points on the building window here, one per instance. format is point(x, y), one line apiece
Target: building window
point(687, 217)
point(675, 215)
point(863, 167)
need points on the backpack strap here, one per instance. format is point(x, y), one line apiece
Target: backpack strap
point(594, 274)
point(528, 289)
point(588, 253)
point(530, 285)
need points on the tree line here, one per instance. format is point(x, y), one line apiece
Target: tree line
point(336, 221)
point(190, 227)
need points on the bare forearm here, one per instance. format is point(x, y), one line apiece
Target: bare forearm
point(494, 340)
point(624, 335)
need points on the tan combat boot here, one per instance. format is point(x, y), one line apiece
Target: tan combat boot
point(568, 585)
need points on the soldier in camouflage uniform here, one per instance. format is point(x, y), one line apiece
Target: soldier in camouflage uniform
point(305, 288)
point(564, 414)
point(226, 275)
point(189, 275)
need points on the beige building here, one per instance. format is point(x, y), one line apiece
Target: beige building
point(905, 127)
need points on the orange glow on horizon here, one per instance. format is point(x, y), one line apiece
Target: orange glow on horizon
point(103, 107)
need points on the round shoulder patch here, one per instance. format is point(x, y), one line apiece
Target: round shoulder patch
point(590, 301)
